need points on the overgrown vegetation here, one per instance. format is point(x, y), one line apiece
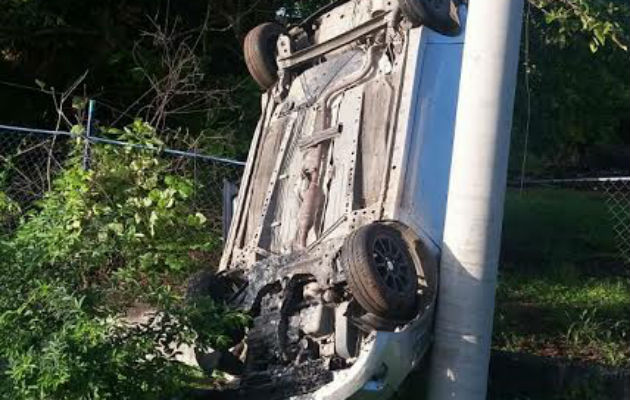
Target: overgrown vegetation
point(97, 243)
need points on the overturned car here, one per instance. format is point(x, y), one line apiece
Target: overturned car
point(333, 246)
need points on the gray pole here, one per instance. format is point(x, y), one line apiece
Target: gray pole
point(472, 232)
point(88, 134)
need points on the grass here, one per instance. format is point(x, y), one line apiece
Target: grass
point(562, 291)
point(574, 317)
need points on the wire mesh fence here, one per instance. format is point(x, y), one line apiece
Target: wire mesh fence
point(612, 194)
point(29, 163)
point(30, 160)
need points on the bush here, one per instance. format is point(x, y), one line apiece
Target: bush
point(97, 243)
point(8, 210)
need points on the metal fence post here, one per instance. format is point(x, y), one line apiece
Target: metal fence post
point(88, 134)
point(230, 191)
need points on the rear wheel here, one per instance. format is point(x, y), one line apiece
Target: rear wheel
point(381, 272)
point(439, 15)
point(259, 49)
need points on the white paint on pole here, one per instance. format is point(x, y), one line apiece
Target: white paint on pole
point(472, 232)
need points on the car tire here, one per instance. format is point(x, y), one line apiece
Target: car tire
point(205, 283)
point(259, 49)
point(381, 273)
point(439, 15)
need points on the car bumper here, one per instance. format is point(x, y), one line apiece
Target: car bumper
point(383, 364)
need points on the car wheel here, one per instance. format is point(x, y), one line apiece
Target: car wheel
point(259, 49)
point(380, 271)
point(439, 15)
point(205, 283)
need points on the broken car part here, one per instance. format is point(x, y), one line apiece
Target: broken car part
point(332, 246)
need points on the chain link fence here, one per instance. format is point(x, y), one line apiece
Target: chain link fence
point(618, 201)
point(30, 159)
point(29, 163)
point(613, 193)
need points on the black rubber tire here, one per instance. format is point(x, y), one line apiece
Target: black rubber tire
point(435, 14)
point(259, 49)
point(360, 257)
point(206, 283)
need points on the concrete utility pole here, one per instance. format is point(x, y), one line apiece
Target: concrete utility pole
point(472, 233)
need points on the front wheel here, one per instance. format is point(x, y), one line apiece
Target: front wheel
point(381, 273)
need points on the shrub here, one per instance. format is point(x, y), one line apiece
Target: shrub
point(8, 210)
point(98, 242)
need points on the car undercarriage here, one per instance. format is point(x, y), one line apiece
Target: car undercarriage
point(317, 252)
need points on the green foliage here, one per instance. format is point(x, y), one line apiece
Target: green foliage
point(573, 101)
point(601, 21)
point(97, 243)
point(57, 350)
point(9, 209)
